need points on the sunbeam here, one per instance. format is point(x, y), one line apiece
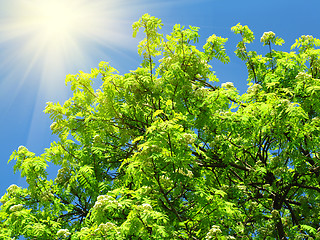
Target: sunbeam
point(49, 35)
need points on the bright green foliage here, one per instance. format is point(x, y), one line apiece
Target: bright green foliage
point(161, 153)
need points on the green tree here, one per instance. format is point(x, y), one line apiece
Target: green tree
point(163, 153)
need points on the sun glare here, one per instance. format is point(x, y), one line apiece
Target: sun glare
point(56, 18)
point(41, 41)
point(57, 22)
point(49, 35)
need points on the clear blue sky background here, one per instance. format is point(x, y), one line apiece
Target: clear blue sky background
point(29, 77)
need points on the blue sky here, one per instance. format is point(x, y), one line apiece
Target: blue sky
point(34, 62)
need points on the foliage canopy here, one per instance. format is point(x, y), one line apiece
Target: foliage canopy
point(162, 153)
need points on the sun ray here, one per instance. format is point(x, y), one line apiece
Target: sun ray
point(41, 41)
point(57, 30)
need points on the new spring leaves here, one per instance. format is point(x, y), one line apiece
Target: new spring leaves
point(162, 153)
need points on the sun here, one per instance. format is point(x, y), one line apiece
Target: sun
point(56, 19)
point(58, 23)
point(48, 36)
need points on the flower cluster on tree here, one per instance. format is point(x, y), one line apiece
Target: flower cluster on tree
point(164, 153)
